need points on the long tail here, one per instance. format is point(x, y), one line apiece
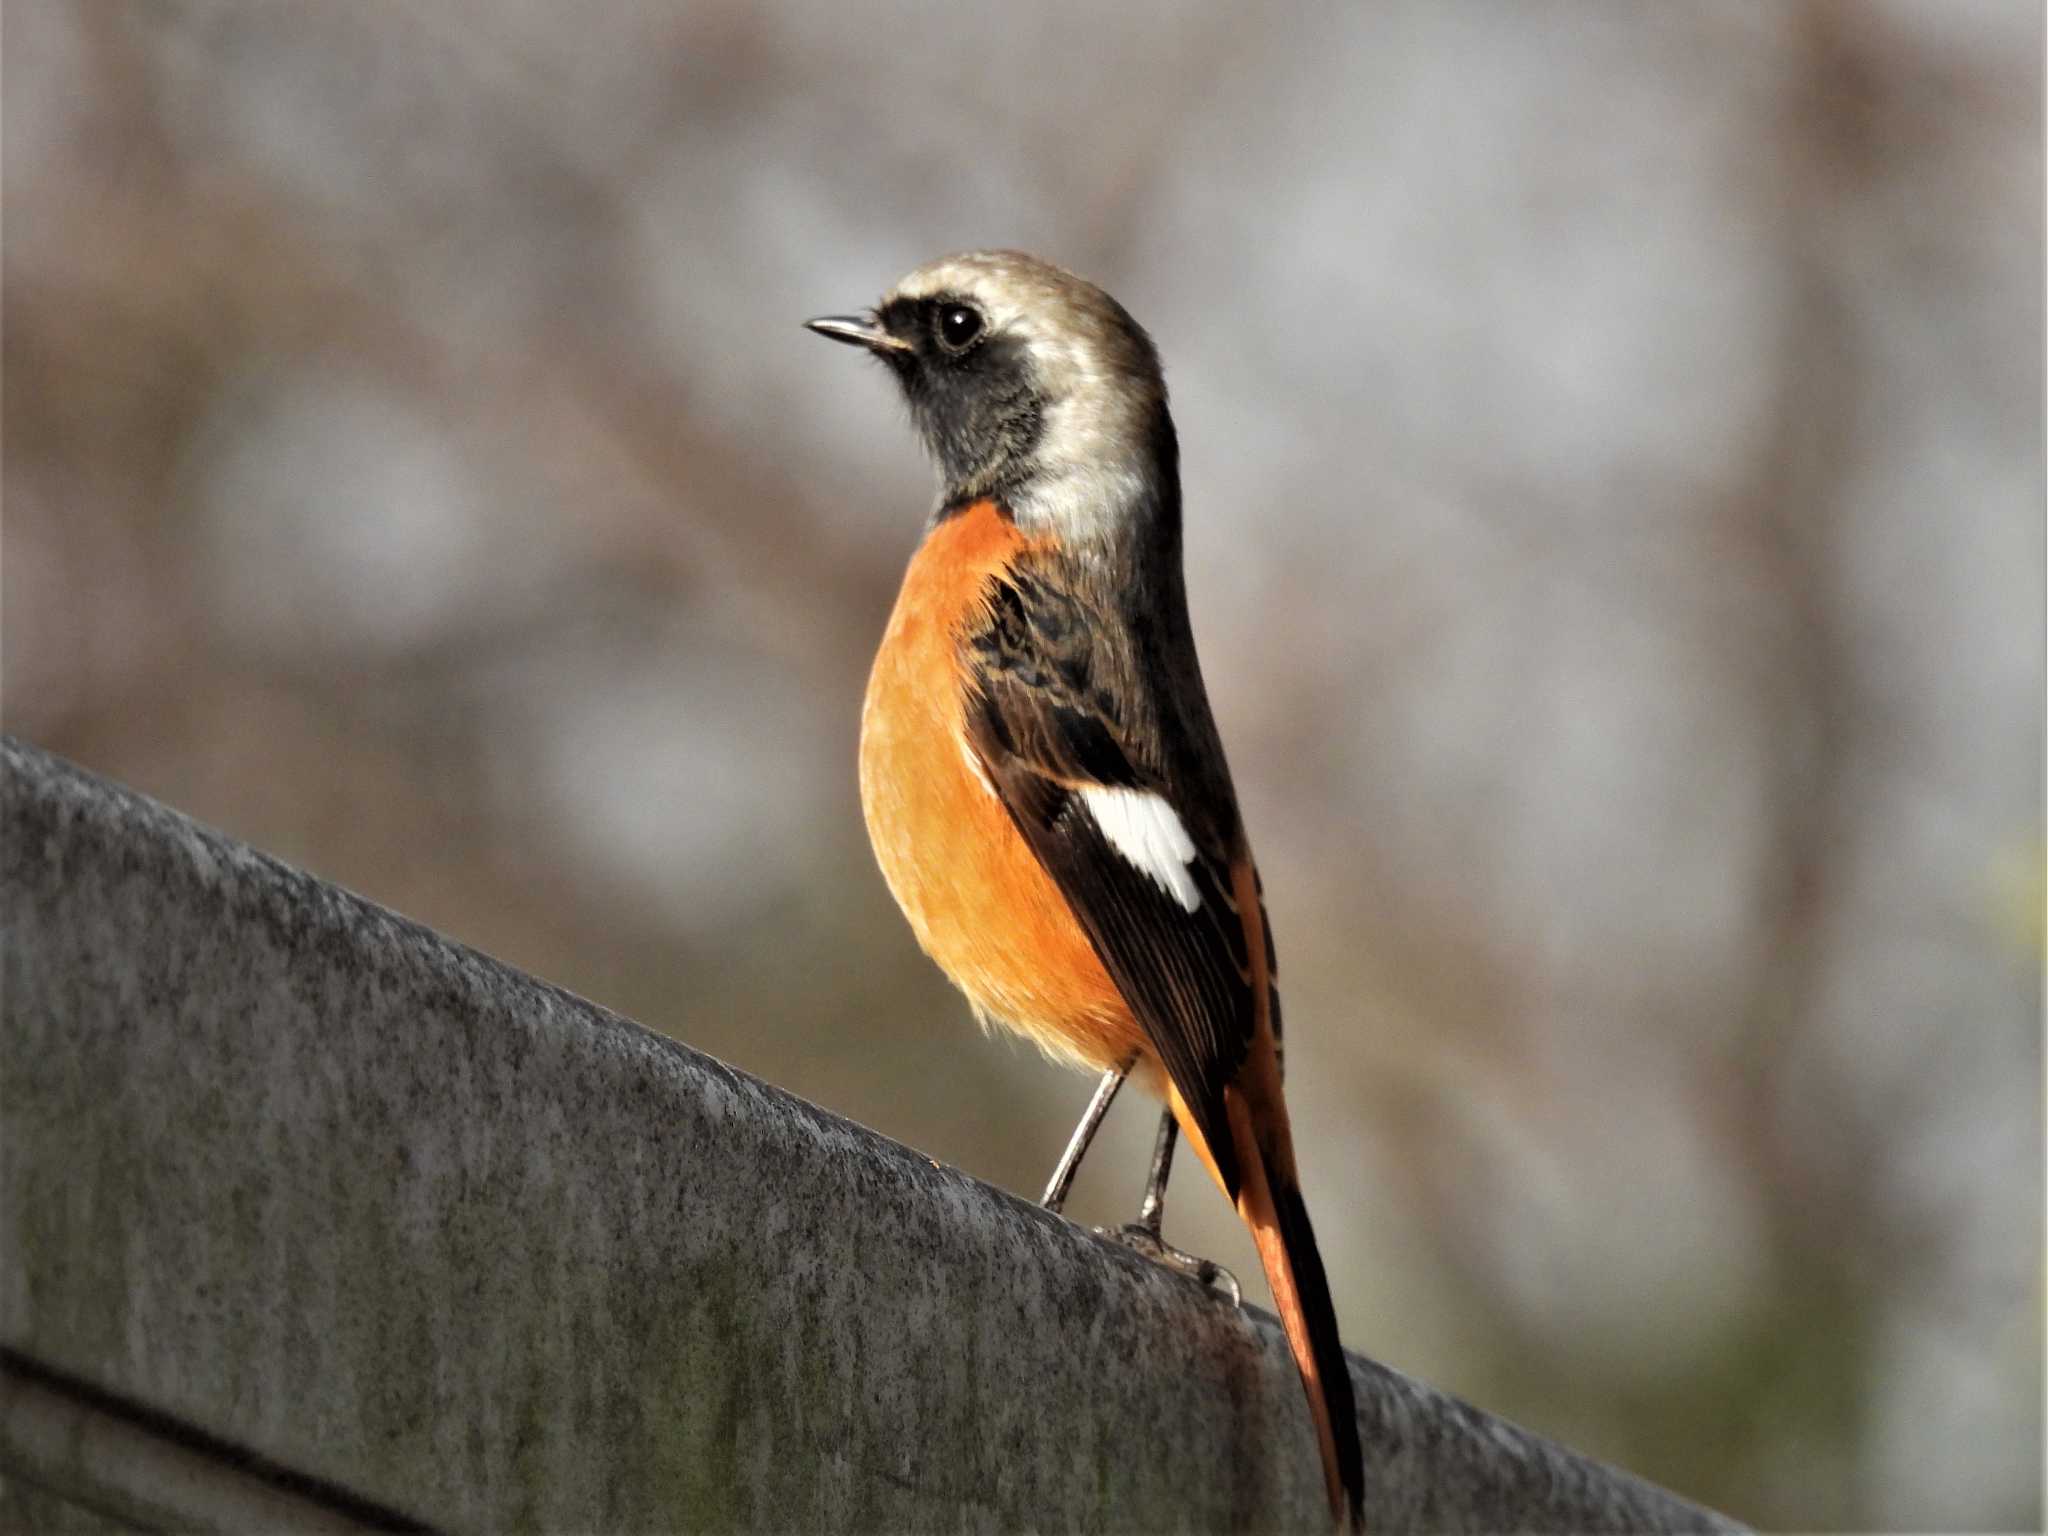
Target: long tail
point(1270, 1202)
point(1259, 1176)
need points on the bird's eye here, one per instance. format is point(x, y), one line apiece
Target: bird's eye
point(958, 326)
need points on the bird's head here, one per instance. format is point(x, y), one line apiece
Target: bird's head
point(1028, 384)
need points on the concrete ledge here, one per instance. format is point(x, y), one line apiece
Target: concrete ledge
point(339, 1206)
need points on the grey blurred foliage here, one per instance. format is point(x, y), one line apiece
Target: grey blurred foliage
point(1614, 448)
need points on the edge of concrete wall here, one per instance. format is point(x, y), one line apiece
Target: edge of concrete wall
point(345, 1208)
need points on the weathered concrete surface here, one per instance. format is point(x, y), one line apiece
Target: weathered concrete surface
point(26, 1506)
point(297, 1173)
point(143, 1471)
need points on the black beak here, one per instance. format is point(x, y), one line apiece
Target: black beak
point(857, 331)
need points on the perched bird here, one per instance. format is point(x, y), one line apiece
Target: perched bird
point(1042, 777)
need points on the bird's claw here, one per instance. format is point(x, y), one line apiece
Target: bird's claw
point(1145, 1240)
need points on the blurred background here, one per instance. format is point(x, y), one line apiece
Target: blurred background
point(1613, 442)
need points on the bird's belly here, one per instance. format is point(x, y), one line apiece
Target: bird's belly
point(975, 895)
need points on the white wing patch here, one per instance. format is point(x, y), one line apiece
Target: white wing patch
point(1144, 829)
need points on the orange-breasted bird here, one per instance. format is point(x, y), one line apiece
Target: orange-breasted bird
point(1042, 776)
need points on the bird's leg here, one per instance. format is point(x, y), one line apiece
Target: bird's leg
point(1077, 1145)
point(1143, 1234)
point(1152, 1209)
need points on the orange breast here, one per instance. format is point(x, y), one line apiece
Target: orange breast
point(975, 894)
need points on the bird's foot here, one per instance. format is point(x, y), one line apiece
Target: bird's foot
point(1141, 1238)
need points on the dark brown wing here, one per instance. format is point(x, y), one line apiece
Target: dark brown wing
point(1063, 695)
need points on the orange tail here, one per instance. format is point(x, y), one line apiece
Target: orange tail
point(1269, 1200)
